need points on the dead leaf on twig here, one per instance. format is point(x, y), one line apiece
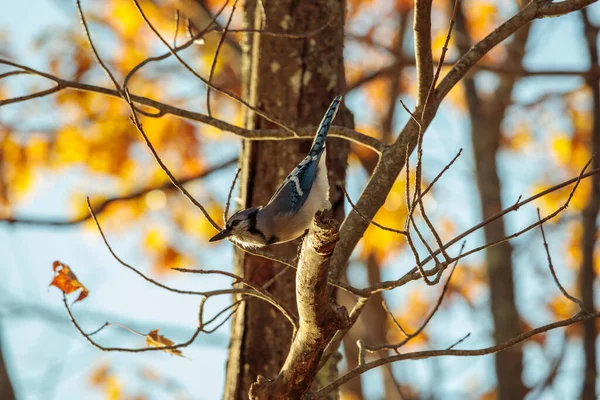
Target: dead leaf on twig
point(153, 339)
point(65, 280)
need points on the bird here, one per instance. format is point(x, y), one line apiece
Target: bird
point(289, 212)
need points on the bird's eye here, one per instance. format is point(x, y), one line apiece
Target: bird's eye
point(234, 223)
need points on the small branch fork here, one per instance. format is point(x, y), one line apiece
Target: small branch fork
point(417, 355)
point(250, 291)
point(410, 336)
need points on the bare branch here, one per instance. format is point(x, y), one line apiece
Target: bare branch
point(100, 207)
point(264, 295)
point(150, 280)
point(252, 134)
point(320, 318)
point(176, 183)
point(335, 342)
point(535, 9)
point(424, 61)
point(558, 8)
point(414, 273)
point(553, 272)
point(382, 227)
point(502, 70)
point(320, 394)
point(393, 157)
point(226, 211)
point(42, 93)
point(204, 80)
point(216, 56)
point(91, 43)
point(138, 350)
point(410, 336)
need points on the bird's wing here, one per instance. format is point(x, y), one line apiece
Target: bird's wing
point(294, 189)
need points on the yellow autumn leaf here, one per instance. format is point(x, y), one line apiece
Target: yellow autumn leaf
point(36, 149)
point(153, 339)
point(382, 243)
point(154, 240)
point(561, 148)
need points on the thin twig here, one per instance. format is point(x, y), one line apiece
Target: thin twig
point(226, 211)
point(459, 341)
point(418, 177)
point(167, 109)
point(266, 296)
point(148, 279)
point(91, 43)
point(385, 228)
point(320, 394)
point(553, 272)
point(216, 56)
point(410, 336)
point(102, 206)
point(204, 80)
point(138, 125)
point(128, 350)
point(176, 29)
point(414, 274)
point(13, 73)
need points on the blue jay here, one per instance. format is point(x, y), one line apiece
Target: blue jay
point(291, 209)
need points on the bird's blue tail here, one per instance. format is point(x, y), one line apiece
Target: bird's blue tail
point(319, 142)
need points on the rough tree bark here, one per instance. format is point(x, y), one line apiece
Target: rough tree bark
point(6, 389)
point(486, 118)
point(293, 80)
point(319, 316)
point(587, 277)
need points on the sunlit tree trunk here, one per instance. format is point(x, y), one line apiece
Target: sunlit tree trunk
point(486, 118)
point(587, 276)
point(293, 80)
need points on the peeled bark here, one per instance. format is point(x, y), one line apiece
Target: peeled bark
point(293, 80)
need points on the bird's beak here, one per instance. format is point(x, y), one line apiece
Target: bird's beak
point(221, 235)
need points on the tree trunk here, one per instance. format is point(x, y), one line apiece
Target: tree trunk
point(293, 80)
point(486, 119)
point(587, 276)
point(6, 389)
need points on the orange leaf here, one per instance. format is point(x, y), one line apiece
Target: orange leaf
point(65, 280)
point(100, 375)
point(153, 339)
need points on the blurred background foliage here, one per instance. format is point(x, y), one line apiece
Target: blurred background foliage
point(56, 150)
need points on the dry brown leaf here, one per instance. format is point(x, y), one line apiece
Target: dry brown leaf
point(65, 280)
point(153, 339)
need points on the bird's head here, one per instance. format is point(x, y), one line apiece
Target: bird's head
point(241, 228)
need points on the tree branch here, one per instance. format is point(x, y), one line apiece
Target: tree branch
point(393, 157)
point(424, 61)
point(164, 109)
point(100, 207)
point(320, 318)
point(535, 9)
point(450, 352)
